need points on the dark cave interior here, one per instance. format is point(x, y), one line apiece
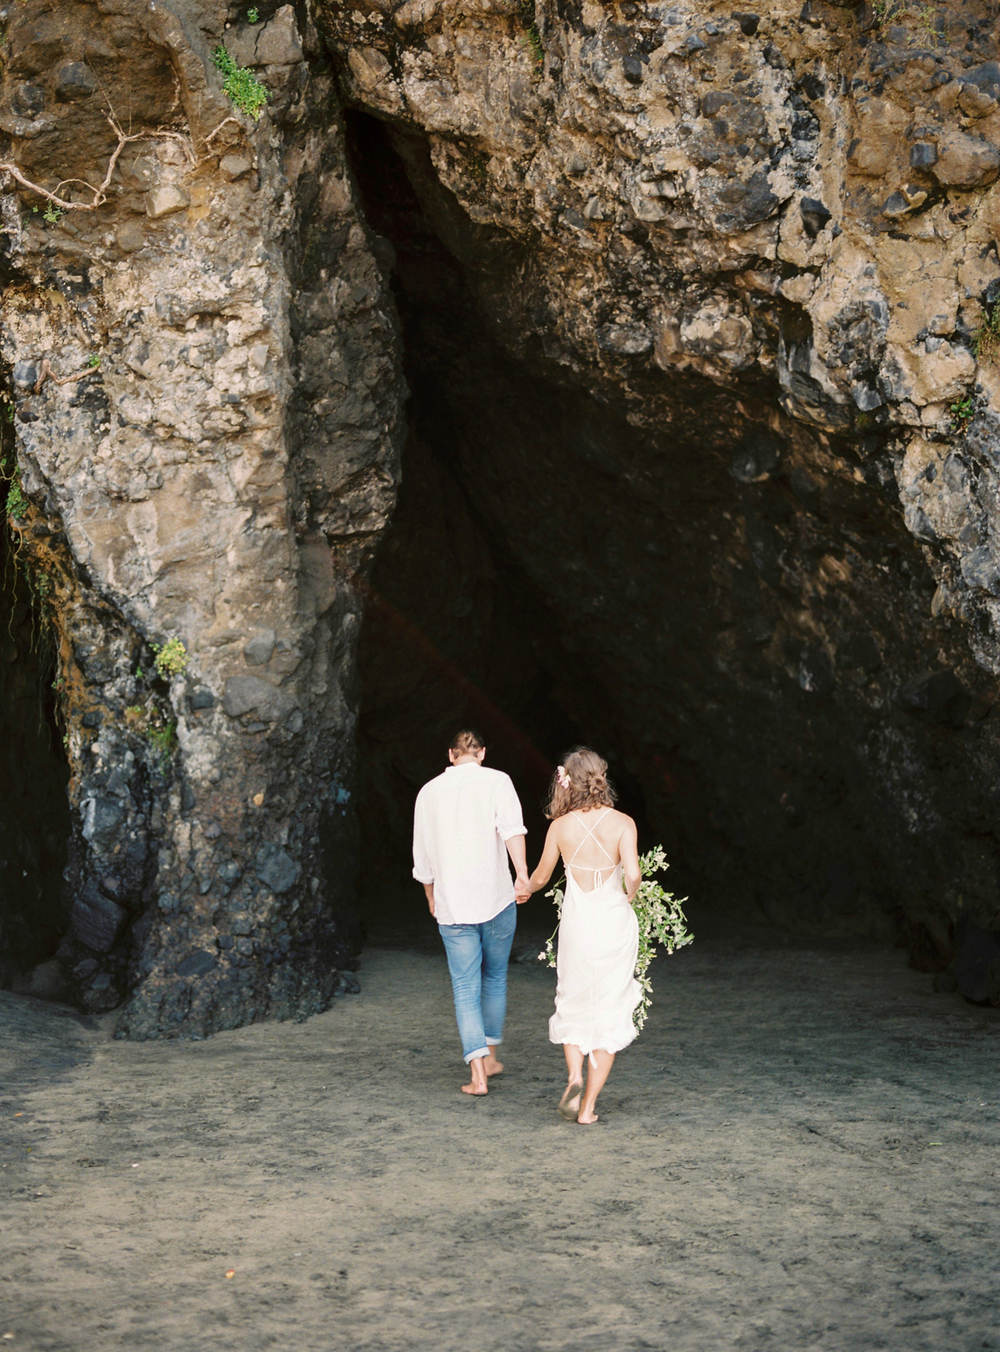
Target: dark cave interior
point(34, 775)
point(730, 609)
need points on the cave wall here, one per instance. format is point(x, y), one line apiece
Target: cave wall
point(692, 305)
point(764, 247)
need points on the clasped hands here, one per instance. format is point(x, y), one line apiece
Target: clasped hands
point(522, 890)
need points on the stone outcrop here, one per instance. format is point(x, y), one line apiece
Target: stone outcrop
point(697, 309)
point(204, 381)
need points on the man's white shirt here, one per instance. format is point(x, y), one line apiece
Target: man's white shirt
point(460, 823)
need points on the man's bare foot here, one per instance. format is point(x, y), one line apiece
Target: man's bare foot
point(586, 1117)
point(477, 1084)
point(492, 1066)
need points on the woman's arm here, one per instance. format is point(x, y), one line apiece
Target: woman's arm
point(629, 850)
point(547, 863)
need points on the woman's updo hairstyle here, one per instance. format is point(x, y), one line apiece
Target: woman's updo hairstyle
point(580, 782)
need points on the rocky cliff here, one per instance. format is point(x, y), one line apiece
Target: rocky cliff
point(695, 307)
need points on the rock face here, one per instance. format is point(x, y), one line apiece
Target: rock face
point(205, 389)
point(696, 307)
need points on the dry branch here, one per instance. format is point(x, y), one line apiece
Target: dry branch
point(47, 373)
point(100, 194)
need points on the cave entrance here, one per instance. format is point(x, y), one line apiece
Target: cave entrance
point(34, 772)
point(714, 596)
point(456, 632)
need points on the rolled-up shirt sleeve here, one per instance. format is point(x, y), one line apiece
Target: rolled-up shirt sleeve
point(423, 869)
point(509, 818)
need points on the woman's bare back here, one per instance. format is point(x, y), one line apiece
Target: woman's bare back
point(589, 841)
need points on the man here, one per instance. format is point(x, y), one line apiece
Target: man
point(466, 822)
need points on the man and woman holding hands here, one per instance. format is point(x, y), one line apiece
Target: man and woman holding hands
point(467, 823)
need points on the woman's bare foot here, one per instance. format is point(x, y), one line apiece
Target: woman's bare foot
point(569, 1104)
point(492, 1066)
point(586, 1117)
point(477, 1085)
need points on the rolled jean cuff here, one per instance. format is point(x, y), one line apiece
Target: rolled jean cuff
point(494, 1041)
point(474, 1056)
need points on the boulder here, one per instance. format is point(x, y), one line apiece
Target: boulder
point(95, 920)
point(102, 819)
point(245, 693)
point(977, 966)
point(47, 981)
point(257, 652)
point(276, 869)
point(980, 91)
point(935, 697)
point(165, 200)
point(197, 964)
point(965, 161)
point(75, 80)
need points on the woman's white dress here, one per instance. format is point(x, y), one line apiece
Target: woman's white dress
point(596, 990)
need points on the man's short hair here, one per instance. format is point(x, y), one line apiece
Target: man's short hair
point(466, 743)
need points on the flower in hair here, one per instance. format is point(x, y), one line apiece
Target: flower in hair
point(562, 777)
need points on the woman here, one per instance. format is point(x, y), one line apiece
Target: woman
point(596, 992)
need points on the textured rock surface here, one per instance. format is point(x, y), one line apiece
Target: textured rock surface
point(763, 538)
point(690, 303)
point(216, 476)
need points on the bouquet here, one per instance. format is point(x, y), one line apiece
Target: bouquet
point(661, 921)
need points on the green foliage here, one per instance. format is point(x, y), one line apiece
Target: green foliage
point(240, 83)
point(962, 411)
point(661, 921)
point(17, 503)
point(52, 214)
point(252, 15)
point(93, 361)
point(920, 13)
point(533, 42)
point(163, 739)
point(171, 657)
point(532, 38)
point(986, 343)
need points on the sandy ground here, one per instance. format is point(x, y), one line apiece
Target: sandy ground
point(800, 1152)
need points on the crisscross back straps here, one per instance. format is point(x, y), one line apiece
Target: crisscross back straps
point(590, 832)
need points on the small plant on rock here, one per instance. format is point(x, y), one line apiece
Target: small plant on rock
point(252, 15)
point(962, 411)
point(986, 343)
point(532, 38)
point(240, 83)
point(93, 361)
point(17, 503)
point(52, 214)
point(163, 740)
point(171, 657)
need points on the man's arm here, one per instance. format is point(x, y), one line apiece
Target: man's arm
point(423, 869)
point(510, 823)
point(519, 858)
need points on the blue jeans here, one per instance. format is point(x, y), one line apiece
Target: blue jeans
point(477, 960)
